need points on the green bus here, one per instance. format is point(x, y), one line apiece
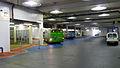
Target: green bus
point(54, 35)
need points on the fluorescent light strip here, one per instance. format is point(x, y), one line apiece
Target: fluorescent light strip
point(87, 18)
point(51, 19)
point(101, 15)
point(56, 12)
point(77, 24)
point(31, 4)
point(11, 23)
point(95, 23)
point(71, 17)
point(99, 8)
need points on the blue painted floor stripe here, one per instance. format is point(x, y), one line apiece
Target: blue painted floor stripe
point(43, 48)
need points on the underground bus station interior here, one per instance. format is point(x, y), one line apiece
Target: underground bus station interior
point(60, 34)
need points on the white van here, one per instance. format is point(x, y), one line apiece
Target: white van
point(112, 38)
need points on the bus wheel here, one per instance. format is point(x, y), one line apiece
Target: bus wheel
point(116, 43)
point(108, 43)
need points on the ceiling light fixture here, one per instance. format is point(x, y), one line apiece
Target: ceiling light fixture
point(99, 8)
point(27, 24)
point(51, 19)
point(87, 30)
point(11, 23)
point(95, 23)
point(66, 22)
point(87, 18)
point(101, 15)
point(11, 26)
point(31, 3)
point(88, 21)
point(71, 17)
point(56, 12)
point(85, 0)
point(77, 24)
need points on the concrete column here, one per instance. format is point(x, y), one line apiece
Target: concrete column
point(81, 31)
point(15, 34)
point(55, 25)
point(5, 27)
point(67, 28)
point(41, 32)
point(30, 34)
point(74, 28)
point(116, 24)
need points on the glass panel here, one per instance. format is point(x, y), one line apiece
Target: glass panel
point(112, 35)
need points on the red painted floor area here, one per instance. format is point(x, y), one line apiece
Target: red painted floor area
point(16, 51)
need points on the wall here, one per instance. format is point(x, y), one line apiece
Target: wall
point(4, 25)
point(90, 32)
point(103, 31)
point(87, 33)
point(22, 13)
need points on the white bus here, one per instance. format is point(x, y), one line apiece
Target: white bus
point(112, 38)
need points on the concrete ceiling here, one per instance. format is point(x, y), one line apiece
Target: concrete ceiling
point(78, 8)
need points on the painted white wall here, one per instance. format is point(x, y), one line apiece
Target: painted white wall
point(35, 31)
point(4, 26)
point(22, 13)
point(88, 33)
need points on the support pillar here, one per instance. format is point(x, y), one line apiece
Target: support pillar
point(41, 32)
point(15, 34)
point(55, 25)
point(67, 28)
point(5, 27)
point(30, 34)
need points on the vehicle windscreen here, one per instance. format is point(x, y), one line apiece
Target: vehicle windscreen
point(57, 31)
point(112, 35)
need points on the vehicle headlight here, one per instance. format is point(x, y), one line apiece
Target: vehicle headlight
point(50, 39)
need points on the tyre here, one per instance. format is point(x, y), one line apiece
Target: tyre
point(117, 43)
point(108, 43)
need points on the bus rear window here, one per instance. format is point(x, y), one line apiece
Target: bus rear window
point(109, 35)
point(112, 35)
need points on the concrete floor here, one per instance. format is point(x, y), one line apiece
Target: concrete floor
point(93, 53)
